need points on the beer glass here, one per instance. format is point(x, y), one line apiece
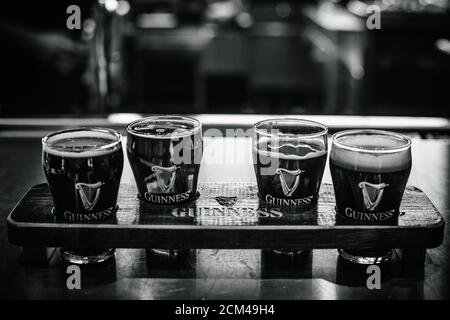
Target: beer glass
point(370, 169)
point(289, 157)
point(83, 168)
point(165, 154)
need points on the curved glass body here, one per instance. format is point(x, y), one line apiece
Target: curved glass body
point(165, 154)
point(370, 169)
point(83, 168)
point(289, 157)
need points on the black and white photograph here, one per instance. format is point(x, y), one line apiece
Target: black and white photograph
point(218, 157)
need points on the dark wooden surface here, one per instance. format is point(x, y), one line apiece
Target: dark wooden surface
point(221, 274)
point(205, 223)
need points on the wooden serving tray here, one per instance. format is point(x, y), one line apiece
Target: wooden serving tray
point(224, 216)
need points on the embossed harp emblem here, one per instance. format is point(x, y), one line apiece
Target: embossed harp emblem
point(165, 177)
point(372, 194)
point(226, 201)
point(289, 180)
point(89, 194)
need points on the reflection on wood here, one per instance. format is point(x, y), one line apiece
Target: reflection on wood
point(206, 223)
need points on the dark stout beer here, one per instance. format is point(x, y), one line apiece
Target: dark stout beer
point(369, 186)
point(165, 154)
point(297, 179)
point(289, 160)
point(83, 169)
point(370, 170)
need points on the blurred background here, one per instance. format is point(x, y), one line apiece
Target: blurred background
point(235, 56)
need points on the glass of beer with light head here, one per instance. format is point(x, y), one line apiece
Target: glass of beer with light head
point(83, 168)
point(370, 169)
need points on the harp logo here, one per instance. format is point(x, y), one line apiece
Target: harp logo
point(165, 177)
point(89, 194)
point(226, 201)
point(372, 194)
point(289, 180)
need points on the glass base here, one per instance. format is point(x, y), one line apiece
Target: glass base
point(367, 256)
point(288, 252)
point(171, 253)
point(87, 256)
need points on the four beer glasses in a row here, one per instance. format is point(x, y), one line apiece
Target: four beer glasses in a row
point(369, 169)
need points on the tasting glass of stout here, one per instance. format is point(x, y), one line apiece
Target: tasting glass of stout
point(289, 157)
point(165, 154)
point(370, 169)
point(83, 168)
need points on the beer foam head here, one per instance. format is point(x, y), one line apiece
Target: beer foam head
point(371, 150)
point(164, 127)
point(294, 139)
point(290, 150)
point(84, 142)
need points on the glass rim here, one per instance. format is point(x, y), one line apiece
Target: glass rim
point(324, 128)
point(349, 147)
point(197, 126)
point(117, 138)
